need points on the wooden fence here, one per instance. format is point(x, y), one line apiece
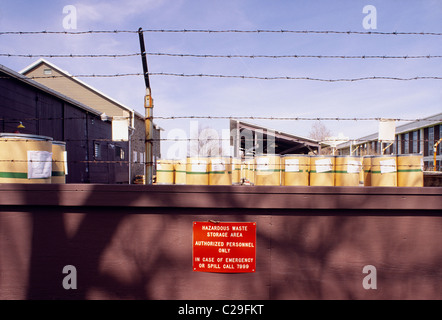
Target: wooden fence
point(135, 242)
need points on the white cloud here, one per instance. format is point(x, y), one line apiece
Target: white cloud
point(114, 12)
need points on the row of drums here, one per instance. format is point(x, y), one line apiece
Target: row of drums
point(26, 158)
point(294, 170)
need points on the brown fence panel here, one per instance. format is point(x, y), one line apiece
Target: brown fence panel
point(135, 242)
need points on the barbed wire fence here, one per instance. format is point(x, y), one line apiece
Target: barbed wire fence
point(227, 76)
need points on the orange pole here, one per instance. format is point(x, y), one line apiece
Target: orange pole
point(434, 153)
point(148, 105)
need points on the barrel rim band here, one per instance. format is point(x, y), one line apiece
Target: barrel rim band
point(14, 175)
point(379, 172)
point(220, 172)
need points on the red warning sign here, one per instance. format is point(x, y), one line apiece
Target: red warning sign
point(228, 247)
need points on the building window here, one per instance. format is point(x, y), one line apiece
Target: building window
point(430, 140)
point(47, 71)
point(373, 147)
point(425, 140)
point(415, 142)
point(97, 151)
point(119, 153)
point(406, 143)
point(440, 136)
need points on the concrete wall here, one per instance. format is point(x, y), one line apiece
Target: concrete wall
point(135, 242)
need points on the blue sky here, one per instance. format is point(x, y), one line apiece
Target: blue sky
point(179, 96)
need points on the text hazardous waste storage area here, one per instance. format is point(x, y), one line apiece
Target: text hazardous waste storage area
point(224, 247)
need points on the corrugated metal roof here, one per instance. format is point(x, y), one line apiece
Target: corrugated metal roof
point(284, 134)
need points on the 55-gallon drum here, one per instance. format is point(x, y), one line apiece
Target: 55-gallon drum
point(236, 171)
point(197, 171)
point(249, 171)
point(268, 170)
point(220, 172)
point(165, 171)
point(383, 171)
point(179, 168)
point(347, 170)
point(59, 162)
point(322, 170)
point(366, 168)
point(25, 158)
point(410, 170)
point(295, 170)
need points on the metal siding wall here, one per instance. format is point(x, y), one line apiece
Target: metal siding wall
point(76, 145)
point(50, 122)
point(17, 102)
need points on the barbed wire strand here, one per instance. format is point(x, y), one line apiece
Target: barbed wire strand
point(201, 75)
point(208, 140)
point(282, 31)
point(224, 56)
point(14, 120)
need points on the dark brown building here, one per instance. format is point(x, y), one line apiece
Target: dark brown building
point(52, 76)
point(91, 154)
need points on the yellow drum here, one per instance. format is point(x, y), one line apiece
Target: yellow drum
point(165, 171)
point(59, 162)
point(347, 170)
point(197, 171)
point(295, 170)
point(236, 171)
point(249, 172)
point(383, 171)
point(220, 171)
point(25, 158)
point(366, 168)
point(180, 167)
point(410, 170)
point(322, 170)
point(268, 170)
point(244, 170)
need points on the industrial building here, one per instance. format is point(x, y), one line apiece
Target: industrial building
point(418, 136)
point(92, 156)
point(54, 77)
point(248, 140)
